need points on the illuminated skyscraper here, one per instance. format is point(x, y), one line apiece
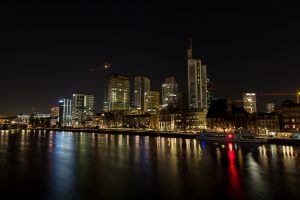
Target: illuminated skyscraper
point(106, 68)
point(151, 101)
point(170, 92)
point(118, 88)
point(141, 85)
point(249, 100)
point(82, 108)
point(197, 82)
point(65, 112)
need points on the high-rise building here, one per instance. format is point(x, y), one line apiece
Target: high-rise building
point(118, 88)
point(170, 92)
point(151, 101)
point(210, 91)
point(141, 85)
point(82, 108)
point(105, 92)
point(197, 82)
point(270, 107)
point(54, 112)
point(249, 100)
point(65, 112)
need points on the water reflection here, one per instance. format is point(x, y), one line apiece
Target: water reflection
point(70, 165)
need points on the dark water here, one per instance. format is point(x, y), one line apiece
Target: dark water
point(64, 165)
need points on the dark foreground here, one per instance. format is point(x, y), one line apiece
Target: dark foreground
point(66, 165)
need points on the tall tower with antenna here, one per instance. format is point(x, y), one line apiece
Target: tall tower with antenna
point(106, 69)
point(197, 82)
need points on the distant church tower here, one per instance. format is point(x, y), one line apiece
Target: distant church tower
point(197, 82)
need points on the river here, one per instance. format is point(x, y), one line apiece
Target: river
point(66, 165)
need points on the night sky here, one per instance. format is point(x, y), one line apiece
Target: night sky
point(49, 49)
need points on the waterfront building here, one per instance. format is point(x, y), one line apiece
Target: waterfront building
point(270, 107)
point(290, 113)
point(65, 112)
point(182, 120)
point(137, 121)
point(141, 86)
point(151, 101)
point(268, 123)
point(82, 108)
point(118, 87)
point(249, 100)
point(23, 119)
point(197, 82)
point(170, 92)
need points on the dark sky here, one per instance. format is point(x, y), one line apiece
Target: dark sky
point(48, 49)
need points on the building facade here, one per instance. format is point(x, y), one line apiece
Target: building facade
point(249, 100)
point(65, 112)
point(170, 92)
point(268, 123)
point(118, 88)
point(197, 82)
point(141, 85)
point(54, 112)
point(151, 102)
point(210, 92)
point(270, 107)
point(182, 120)
point(290, 113)
point(82, 108)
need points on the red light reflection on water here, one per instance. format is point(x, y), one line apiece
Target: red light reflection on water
point(234, 179)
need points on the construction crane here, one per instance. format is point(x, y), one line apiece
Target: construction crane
point(297, 94)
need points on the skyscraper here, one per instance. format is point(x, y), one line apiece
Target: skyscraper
point(105, 92)
point(151, 101)
point(249, 100)
point(197, 82)
point(118, 88)
point(65, 112)
point(82, 108)
point(210, 91)
point(141, 85)
point(170, 92)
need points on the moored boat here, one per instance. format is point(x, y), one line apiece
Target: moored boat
point(230, 137)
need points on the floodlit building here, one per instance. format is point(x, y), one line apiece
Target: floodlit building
point(65, 112)
point(118, 88)
point(170, 92)
point(249, 100)
point(197, 82)
point(270, 107)
point(182, 120)
point(141, 85)
point(54, 112)
point(267, 123)
point(290, 113)
point(151, 102)
point(82, 108)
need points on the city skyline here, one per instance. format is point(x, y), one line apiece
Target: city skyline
point(62, 50)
